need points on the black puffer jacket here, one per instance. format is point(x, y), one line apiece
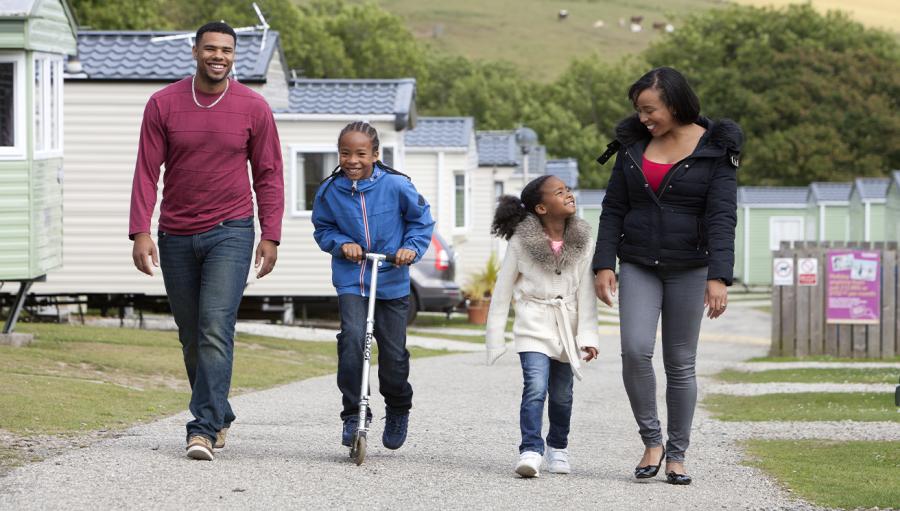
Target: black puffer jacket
point(690, 221)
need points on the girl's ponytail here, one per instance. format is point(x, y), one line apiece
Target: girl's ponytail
point(510, 211)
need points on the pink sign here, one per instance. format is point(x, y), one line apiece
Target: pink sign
point(854, 287)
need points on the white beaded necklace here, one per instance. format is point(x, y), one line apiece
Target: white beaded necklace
point(194, 94)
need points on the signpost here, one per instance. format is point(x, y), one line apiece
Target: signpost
point(783, 271)
point(808, 271)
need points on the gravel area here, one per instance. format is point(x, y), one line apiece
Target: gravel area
point(756, 389)
point(284, 452)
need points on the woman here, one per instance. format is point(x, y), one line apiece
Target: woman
point(669, 215)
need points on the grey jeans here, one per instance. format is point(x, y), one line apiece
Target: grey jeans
point(644, 294)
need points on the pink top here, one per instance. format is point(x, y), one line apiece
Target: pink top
point(654, 172)
point(556, 246)
point(205, 152)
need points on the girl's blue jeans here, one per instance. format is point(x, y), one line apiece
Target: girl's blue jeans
point(543, 376)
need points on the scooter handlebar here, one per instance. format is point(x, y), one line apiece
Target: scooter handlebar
point(390, 258)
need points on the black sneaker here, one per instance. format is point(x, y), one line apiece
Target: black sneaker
point(395, 430)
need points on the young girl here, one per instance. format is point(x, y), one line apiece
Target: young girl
point(366, 206)
point(547, 271)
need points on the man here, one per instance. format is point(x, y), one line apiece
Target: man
point(205, 128)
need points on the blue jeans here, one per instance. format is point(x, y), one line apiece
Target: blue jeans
point(542, 376)
point(393, 358)
point(205, 275)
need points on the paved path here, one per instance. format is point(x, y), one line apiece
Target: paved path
point(284, 452)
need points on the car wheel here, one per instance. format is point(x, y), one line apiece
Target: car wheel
point(413, 310)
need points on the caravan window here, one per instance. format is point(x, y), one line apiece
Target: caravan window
point(12, 116)
point(308, 169)
point(47, 102)
point(461, 201)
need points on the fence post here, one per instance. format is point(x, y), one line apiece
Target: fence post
point(802, 305)
point(789, 308)
point(776, 349)
point(889, 300)
point(816, 309)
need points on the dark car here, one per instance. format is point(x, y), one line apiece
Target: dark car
point(432, 287)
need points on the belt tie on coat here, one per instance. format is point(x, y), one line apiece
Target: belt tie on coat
point(560, 307)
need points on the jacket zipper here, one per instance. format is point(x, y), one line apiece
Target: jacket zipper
point(641, 172)
point(362, 271)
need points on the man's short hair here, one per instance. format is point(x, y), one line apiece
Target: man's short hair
point(215, 26)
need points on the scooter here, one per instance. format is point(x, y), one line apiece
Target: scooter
point(358, 444)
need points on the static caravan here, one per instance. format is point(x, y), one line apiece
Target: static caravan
point(35, 37)
point(892, 209)
point(867, 208)
point(107, 89)
point(590, 205)
point(502, 170)
point(442, 159)
point(104, 106)
point(309, 130)
point(828, 212)
point(766, 217)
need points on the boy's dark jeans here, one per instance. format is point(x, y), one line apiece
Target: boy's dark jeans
point(205, 276)
point(393, 358)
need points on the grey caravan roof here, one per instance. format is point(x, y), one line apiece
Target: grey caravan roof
point(872, 188)
point(361, 98)
point(773, 196)
point(565, 169)
point(441, 132)
point(16, 8)
point(591, 198)
point(499, 149)
point(822, 191)
point(131, 56)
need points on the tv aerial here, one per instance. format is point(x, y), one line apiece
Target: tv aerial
point(189, 36)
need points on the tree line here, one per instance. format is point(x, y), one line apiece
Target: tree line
point(816, 94)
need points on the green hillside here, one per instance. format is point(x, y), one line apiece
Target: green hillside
point(530, 34)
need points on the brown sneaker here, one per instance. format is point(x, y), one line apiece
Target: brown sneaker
point(220, 438)
point(199, 448)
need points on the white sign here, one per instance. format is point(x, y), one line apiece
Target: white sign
point(783, 271)
point(808, 271)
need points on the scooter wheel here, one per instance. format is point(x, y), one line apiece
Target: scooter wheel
point(358, 451)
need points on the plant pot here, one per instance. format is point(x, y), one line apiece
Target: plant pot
point(478, 312)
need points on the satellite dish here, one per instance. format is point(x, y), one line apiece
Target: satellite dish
point(189, 36)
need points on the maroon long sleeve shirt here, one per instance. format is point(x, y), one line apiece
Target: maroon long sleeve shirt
point(205, 153)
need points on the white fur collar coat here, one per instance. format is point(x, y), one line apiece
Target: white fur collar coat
point(549, 291)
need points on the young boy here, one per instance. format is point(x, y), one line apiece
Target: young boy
point(366, 206)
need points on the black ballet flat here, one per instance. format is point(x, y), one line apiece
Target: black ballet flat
point(648, 471)
point(681, 479)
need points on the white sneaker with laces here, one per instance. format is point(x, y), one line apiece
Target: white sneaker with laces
point(529, 464)
point(558, 461)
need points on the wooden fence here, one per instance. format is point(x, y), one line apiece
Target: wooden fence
point(799, 327)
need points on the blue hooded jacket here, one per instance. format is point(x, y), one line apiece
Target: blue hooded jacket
point(382, 214)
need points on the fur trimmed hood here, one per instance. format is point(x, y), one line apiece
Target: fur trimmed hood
point(724, 134)
point(536, 244)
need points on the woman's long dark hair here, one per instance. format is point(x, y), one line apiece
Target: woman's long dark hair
point(511, 210)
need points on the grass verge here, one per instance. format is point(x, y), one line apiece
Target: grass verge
point(823, 358)
point(812, 375)
point(74, 381)
point(847, 475)
point(804, 406)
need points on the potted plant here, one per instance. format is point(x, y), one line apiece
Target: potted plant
point(478, 292)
